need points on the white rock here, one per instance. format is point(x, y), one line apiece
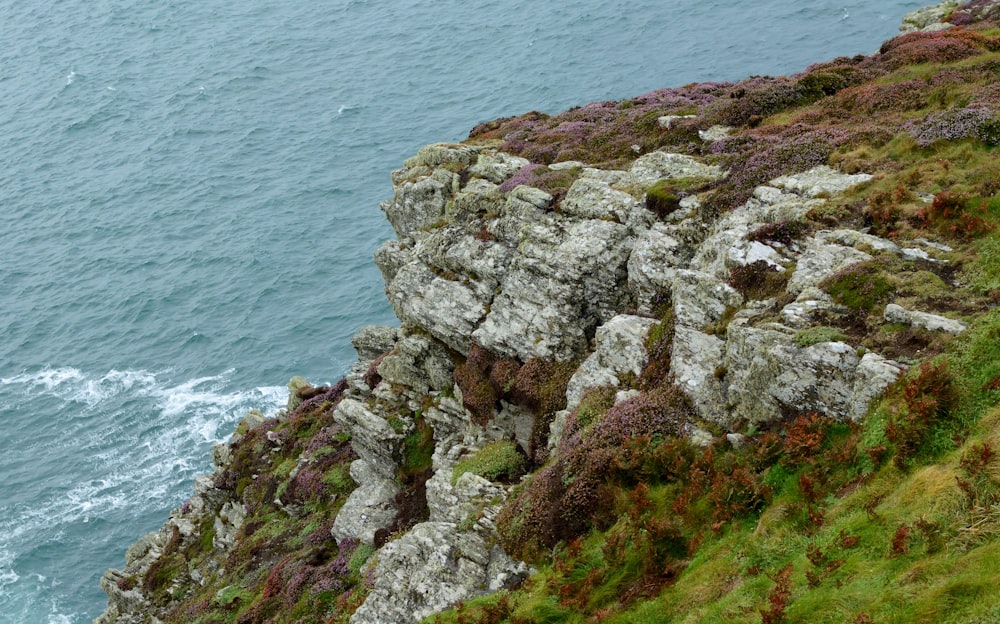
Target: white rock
point(931, 322)
point(701, 299)
point(656, 166)
point(497, 167)
point(667, 121)
point(928, 18)
point(874, 374)
point(820, 260)
point(820, 180)
point(431, 568)
point(370, 507)
point(695, 358)
point(619, 349)
point(715, 133)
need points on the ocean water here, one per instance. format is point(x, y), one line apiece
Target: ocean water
point(189, 203)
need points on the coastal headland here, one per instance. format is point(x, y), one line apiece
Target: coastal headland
point(726, 352)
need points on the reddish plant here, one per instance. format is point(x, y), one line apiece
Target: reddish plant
point(777, 599)
point(901, 540)
point(928, 397)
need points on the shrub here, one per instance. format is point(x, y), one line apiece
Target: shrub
point(759, 158)
point(926, 400)
point(784, 232)
point(952, 125)
point(957, 214)
point(758, 280)
point(497, 461)
point(555, 182)
point(876, 97)
point(930, 47)
point(753, 99)
point(472, 378)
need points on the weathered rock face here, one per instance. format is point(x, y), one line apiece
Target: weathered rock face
point(521, 276)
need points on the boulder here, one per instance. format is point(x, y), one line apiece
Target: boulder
point(923, 320)
point(432, 567)
point(370, 507)
point(620, 348)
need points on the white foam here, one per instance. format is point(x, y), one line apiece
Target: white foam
point(7, 574)
point(150, 445)
point(72, 384)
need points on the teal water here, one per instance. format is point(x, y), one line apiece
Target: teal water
point(189, 203)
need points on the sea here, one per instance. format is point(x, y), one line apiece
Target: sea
point(189, 203)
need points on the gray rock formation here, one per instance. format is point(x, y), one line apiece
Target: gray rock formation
point(522, 277)
point(928, 18)
point(922, 320)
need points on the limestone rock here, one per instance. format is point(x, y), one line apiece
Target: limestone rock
point(653, 264)
point(655, 166)
point(418, 363)
point(459, 502)
point(417, 205)
point(620, 349)
point(370, 507)
point(430, 568)
point(591, 198)
point(372, 437)
point(227, 525)
point(820, 260)
point(811, 302)
point(497, 167)
point(701, 299)
point(668, 121)
point(928, 18)
point(373, 340)
point(931, 322)
point(820, 180)
point(564, 279)
point(389, 258)
point(513, 422)
point(698, 364)
point(447, 307)
point(715, 133)
point(875, 373)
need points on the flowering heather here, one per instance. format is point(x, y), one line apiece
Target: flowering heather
point(604, 131)
point(664, 410)
point(874, 97)
point(753, 99)
point(951, 125)
point(552, 181)
point(932, 47)
point(524, 176)
point(975, 11)
point(564, 499)
point(758, 159)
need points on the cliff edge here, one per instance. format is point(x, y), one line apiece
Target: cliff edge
point(714, 353)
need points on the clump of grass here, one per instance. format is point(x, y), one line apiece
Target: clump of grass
point(663, 198)
point(861, 287)
point(497, 461)
point(816, 335)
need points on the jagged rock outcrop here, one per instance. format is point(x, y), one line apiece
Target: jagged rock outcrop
point(520, 276)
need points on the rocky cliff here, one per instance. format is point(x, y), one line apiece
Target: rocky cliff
point(570, 319)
